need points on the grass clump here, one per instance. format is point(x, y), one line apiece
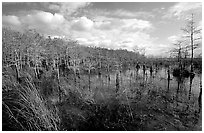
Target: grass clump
point(23, 107)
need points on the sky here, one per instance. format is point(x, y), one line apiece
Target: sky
point(152, 27)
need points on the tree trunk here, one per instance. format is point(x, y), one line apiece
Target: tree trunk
point(121, 79)
point(117, 83)
point(89, 80)
point(192, 44)
point(75, 80)
point(58, 81)
point(168, 78)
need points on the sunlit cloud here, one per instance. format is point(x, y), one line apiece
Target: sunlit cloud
point(11, 20)
point(109, 28)
point(43, 22)
point(67, 8)
point(82, 24)
point(180, 10)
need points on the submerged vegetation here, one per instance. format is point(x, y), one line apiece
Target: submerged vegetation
point(55, 84)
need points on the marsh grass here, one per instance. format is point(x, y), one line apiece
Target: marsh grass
point(24, 108)
point(145, 105)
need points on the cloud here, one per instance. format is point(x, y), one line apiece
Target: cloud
point(132, 25)
point(67, 8)
point(200, 25)
point(82, 24)
point(119, 13)
point(173, 38)
point(43, 18)
point(161, 51)
point(101, 31)
point(125, 25)
point(116, 37)
point(44, 22)
point(180, 10)
point(11, 20)
point(107, 23)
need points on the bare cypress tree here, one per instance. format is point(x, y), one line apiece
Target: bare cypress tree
point(178, 51)
point(193, 33)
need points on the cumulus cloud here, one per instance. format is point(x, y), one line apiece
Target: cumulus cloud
point(102, 31)
point(180, 10)
point(115, 38)
point(43, 18)
point(82, 24)
point(44, 22)
point(11, 20)
point(112, 33)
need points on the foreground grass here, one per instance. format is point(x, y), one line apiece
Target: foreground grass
point(23, 107)
point(141, 105)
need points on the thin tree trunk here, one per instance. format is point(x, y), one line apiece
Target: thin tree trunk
point(117, 83)
point(130, 79)
point(168, 80)
point(59, 89)
point(192, 44)
point(78, 75)
point(121, 78)
point(89, 80)
point(75, 80)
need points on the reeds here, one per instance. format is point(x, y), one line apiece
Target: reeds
point(24, 105)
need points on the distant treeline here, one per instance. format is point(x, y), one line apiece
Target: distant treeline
point(30, 49)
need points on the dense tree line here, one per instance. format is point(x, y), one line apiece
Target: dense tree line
point(30, 49)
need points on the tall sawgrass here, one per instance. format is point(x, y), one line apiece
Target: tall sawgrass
point(24, 108)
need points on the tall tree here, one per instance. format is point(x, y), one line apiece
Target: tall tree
point(193, 34)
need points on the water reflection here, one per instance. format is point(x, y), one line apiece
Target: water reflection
point(179, 88)
point(162, 77)
point(191, 81)
point(168, 79)
point(200, 96)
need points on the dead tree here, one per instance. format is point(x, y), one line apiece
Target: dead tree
point(193, 34)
